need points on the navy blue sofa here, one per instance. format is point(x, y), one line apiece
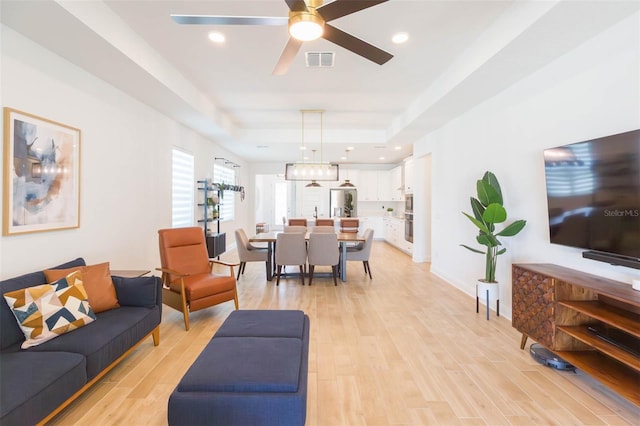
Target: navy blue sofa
point(37, 383)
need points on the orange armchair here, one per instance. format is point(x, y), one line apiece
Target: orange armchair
point(188, 283)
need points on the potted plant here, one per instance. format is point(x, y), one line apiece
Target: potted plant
point(487, 212)
point(389, 211)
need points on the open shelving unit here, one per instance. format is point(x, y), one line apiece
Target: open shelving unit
point(216, 240)
point(555, 306)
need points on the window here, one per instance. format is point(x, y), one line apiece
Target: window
point(227, 175)
point(182, 189)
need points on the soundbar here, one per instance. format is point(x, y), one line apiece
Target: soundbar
point(613, 259)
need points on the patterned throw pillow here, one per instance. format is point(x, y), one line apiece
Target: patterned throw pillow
point(50, 310)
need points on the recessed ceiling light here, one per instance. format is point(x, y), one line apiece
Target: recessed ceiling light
point(303, 148)
point(305, 158)
point(381, 158)
point(216, 37)
point(399, 38)
point(350, 148)
point(398, 148)
point(343, 158)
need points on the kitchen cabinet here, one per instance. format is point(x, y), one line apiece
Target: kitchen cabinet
point(394, 234)
point(372, 222)
point(374, 185)
point(395, 189)
point(408, 176)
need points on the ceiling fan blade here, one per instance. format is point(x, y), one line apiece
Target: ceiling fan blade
point(339, 8)
point(229, 20)
point(296, 5)
point(288, 55)
point(355, 45)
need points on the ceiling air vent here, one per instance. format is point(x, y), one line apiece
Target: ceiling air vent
point(319, 59)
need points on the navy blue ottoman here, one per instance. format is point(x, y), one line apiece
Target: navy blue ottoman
point(252, 372)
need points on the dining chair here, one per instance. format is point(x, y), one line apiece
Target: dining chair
point(291, 249)
point(298, 222)
point(323, 229)
point(296, 229)
point(349, 225)
point(362, 251)
point(247, 252)
point(324, 222)
point(324, 251)
point(188, 281)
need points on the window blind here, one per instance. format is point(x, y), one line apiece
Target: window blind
point(182, 189)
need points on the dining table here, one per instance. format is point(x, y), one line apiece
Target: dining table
point(344, 239)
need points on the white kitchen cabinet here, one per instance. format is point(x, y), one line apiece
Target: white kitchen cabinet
point(372, 222)
point(394, 234)
point(395, 188)
point(408, 176)
point(374, 185)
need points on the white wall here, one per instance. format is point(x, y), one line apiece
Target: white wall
point(592, 91)
point(125, 164)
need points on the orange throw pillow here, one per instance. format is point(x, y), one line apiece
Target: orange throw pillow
point(97, 283)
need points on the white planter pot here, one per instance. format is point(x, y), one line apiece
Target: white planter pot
point(487, 294)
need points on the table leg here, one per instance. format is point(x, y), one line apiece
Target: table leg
point(270, 263)
point(343, 261)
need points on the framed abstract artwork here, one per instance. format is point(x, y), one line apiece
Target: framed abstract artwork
point(41, 174)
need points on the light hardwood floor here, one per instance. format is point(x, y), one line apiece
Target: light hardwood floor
point(404, 348)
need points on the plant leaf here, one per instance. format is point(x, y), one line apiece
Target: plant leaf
point(499, 252)
point(494, 213)
point(487, 240)
point(472, 249)
point(477, 207)
point(492, 181)
point(513, 228)
point(478, 223)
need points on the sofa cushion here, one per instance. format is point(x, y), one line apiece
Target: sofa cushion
point(236, 364)
point(263, 323)
point(107, 338)
point(138, 291)
point(10, 332)
point(97, 282)
point(47, 311)
point(34, 384)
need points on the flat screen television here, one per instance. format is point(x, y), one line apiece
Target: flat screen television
point(593, 197)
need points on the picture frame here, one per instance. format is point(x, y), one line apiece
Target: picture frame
point(41, 182)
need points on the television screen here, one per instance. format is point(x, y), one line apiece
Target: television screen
point(593, 194)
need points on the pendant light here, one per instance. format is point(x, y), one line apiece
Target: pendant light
point(346, 183)
point(313, 183)
point(312, 171)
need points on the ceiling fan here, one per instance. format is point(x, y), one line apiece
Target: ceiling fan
point(307, 21)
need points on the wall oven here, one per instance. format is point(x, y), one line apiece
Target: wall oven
point(408, 217)
point(408, 226)
point(408, 203)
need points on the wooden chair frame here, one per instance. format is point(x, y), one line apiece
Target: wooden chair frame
point(178, 301)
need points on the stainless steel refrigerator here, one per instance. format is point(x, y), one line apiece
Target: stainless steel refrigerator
point(343, 202)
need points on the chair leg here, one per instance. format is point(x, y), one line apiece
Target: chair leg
point(239, 270)
point(278, 273)
point(302, 275)
point(185, 308)
point(311, 268)
point(334, 268)
point(367, 268)
point(235, 300)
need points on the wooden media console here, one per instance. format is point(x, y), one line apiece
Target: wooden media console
point(557, 306)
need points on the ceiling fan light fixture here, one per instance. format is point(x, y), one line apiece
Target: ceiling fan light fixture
point(305, 26)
